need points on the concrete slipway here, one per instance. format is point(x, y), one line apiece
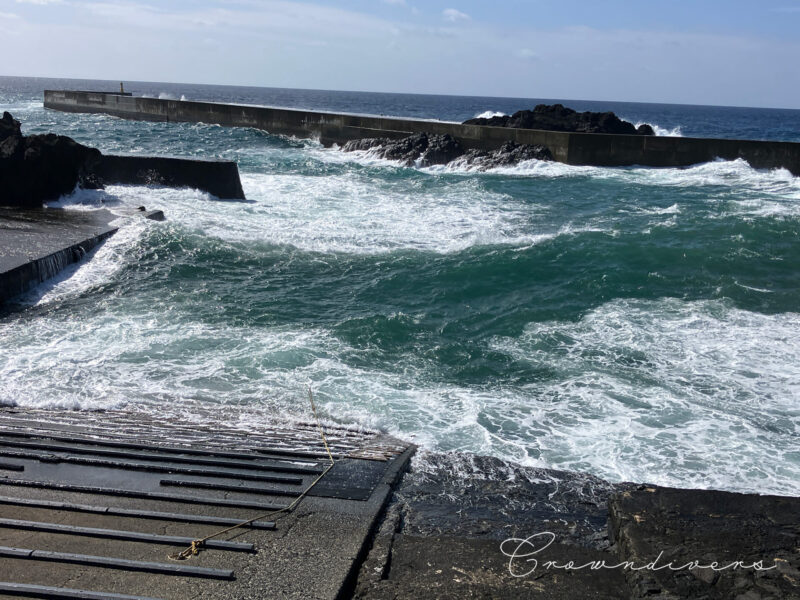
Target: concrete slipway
point(89, 511)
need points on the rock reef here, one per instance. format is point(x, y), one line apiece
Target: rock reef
point(557, 117)
point(37, 168)
point(424, 150)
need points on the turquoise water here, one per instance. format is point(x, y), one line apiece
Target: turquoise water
point(639, 324)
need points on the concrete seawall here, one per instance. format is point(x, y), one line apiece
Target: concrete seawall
point(330, 128)
point(217, 177)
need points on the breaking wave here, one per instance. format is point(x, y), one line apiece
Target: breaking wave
point(488, 114)
point(662, 131)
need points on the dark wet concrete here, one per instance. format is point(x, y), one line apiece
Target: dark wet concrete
point(313, 552)
point(445, 530)
point(217, 177)
point(36, 244)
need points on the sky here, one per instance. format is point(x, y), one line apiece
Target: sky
point(715, 52)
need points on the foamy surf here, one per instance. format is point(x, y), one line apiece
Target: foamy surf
point(662, 131)
point(659, 391)
point(488, 114)
point(635, 323)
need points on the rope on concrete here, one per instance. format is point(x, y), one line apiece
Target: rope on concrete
point(198, 544)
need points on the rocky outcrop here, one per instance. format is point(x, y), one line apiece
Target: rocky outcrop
point(477, 527)
point(557, 117)
point(424, 150)
point(37, 168)
point(508, 154)
point(420, 149)
point(745, 545)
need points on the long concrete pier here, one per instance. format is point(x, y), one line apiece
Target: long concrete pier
point(330, 128)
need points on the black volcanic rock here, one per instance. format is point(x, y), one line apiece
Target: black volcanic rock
point(365, 144)
point(509, 153)
point(423, 149)
point(420, 148)
point(557, 117)
point(441, 150)
point(680, 526)
point(407, 150)
point(9, 127)
point(37, 168)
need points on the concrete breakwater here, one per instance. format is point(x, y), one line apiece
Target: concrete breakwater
point(217, 177)
point(334, 128)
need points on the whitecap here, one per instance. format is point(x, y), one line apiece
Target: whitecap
point(662, 131)
point(684, 394)
point(488, 114)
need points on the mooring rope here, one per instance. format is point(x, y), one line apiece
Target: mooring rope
point(198, 544)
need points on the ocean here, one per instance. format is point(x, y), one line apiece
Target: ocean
point(637, 324)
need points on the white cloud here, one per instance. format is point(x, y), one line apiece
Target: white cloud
point(395, 2)
point(40, 2)
point(9, 16)
point(283, 43)
point(453, 15)
point(528, 54)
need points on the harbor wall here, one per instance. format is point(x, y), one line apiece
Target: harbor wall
point(217, 177)
point(337, 128)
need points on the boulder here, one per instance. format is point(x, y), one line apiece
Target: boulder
point(557, 117)
point(441, 150)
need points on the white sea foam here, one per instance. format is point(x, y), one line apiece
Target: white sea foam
point(350, 212)
point(749, 191)
point(662, 131)
point(488, 114)
point(106, 261)
point(686, 394)
point(353, 213)
point(670, 392)
point(762, 192)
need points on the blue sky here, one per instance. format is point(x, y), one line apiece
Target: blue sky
point(698, 52)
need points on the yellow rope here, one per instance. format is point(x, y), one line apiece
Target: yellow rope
point(197, 545)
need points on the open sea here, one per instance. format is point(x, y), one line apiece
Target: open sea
point(635, 323)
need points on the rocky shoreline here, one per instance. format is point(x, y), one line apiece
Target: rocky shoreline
point(444, 535)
